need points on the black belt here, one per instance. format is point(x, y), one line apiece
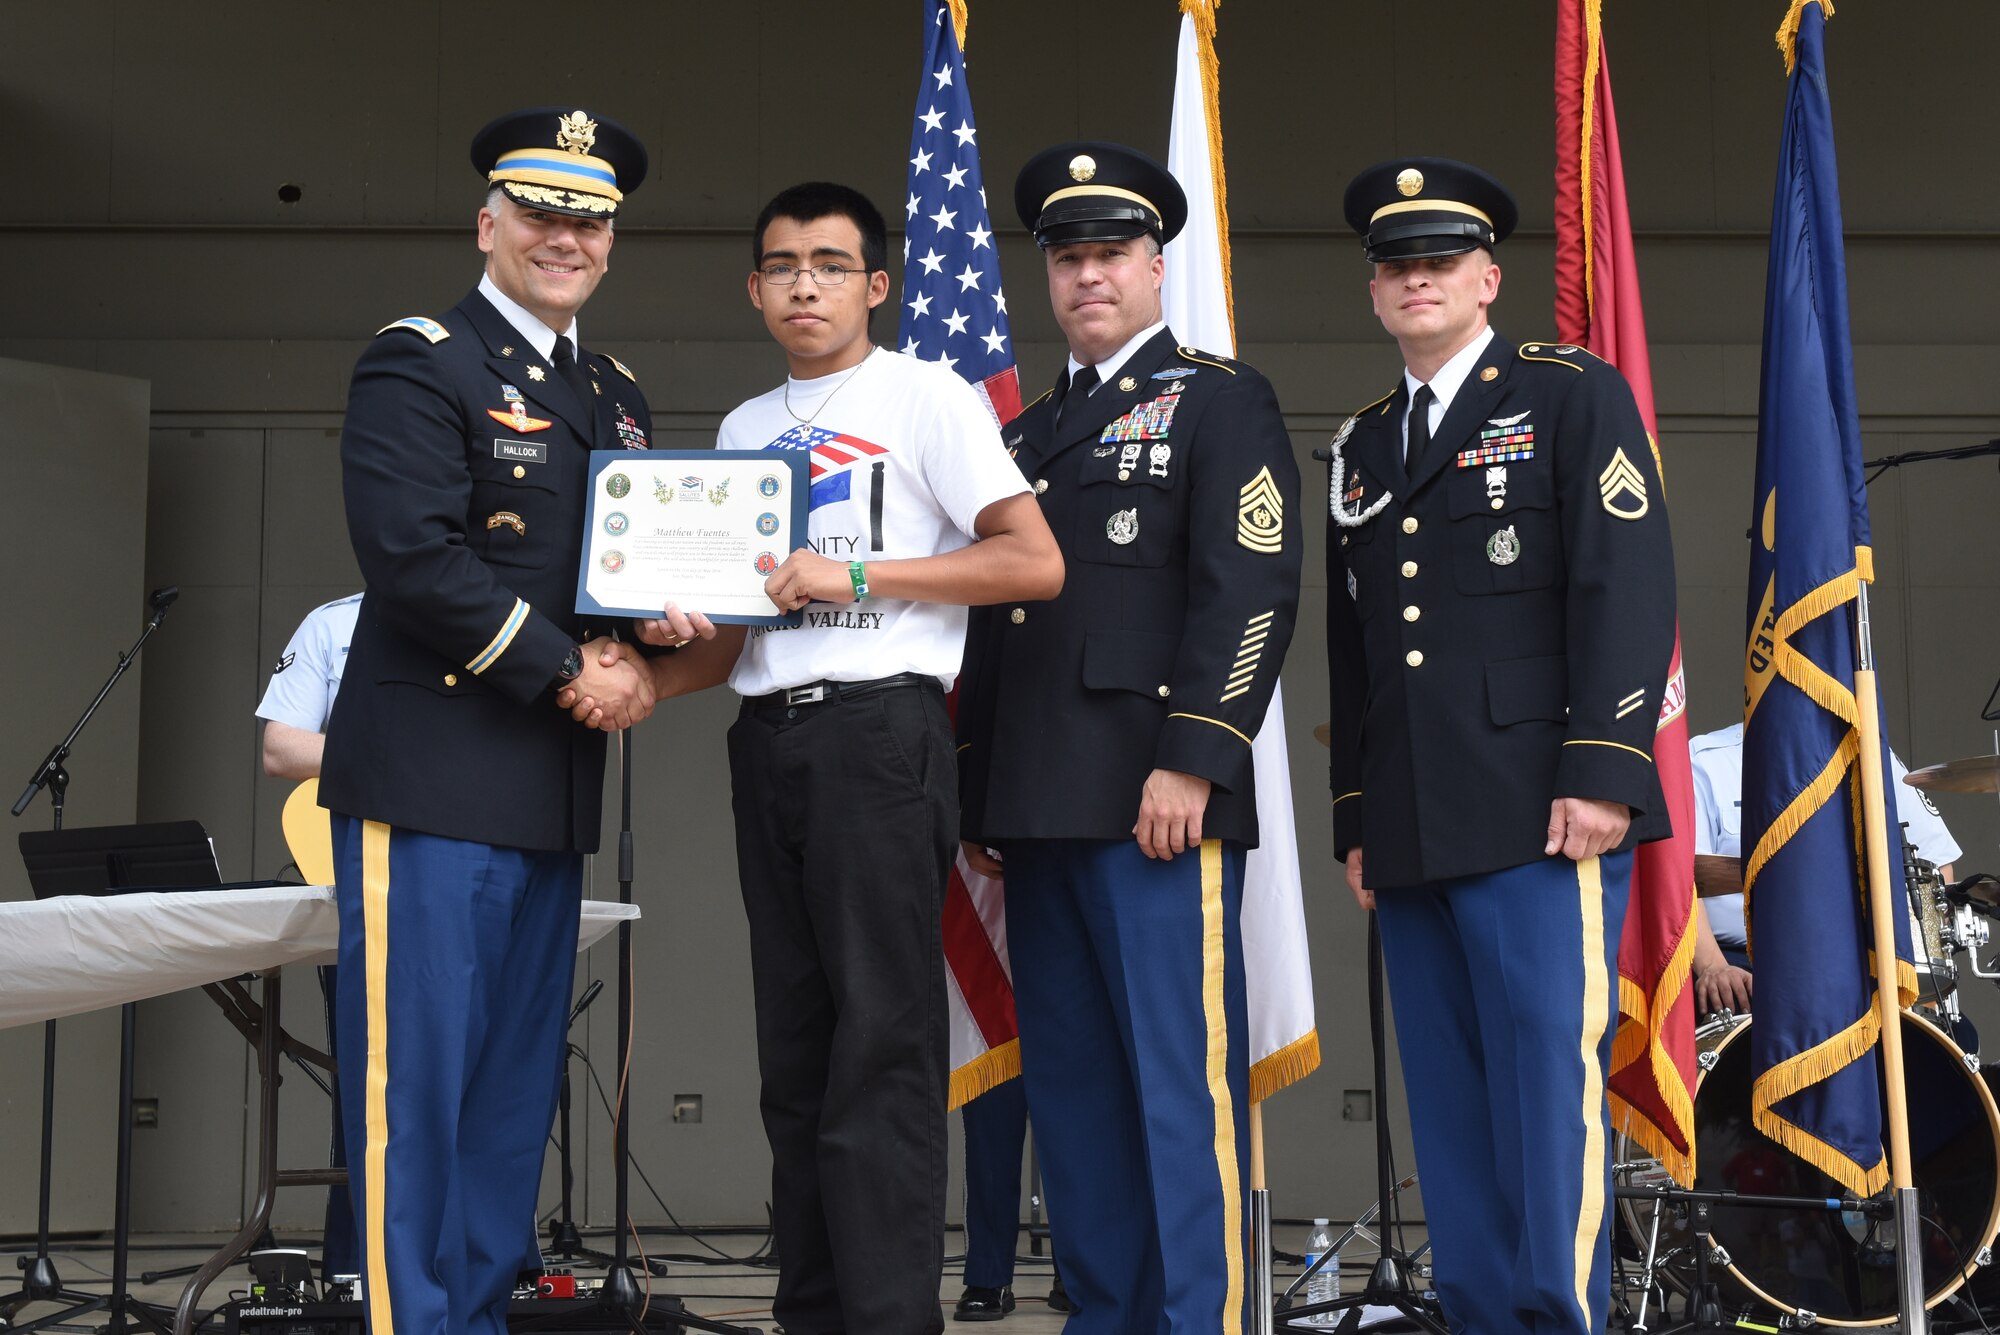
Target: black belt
point(831, 692)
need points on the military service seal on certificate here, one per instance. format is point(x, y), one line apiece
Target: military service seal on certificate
point(700, 528)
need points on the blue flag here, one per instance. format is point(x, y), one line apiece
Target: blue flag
point(1816, 1088)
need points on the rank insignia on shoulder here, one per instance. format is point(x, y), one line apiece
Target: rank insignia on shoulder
point(1623, 487)
point(518, 418)
point(284, 663)
point(1260, 514)
point(620, 367)
point(1173, 373)
point(421, 324)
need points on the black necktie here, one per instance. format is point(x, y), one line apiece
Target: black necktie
point(1080, 386)
point(572, 375)
point(1420, 429)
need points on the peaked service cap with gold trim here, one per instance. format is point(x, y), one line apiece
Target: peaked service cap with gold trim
point(561, 160)
point(1414, 208)
point(1095, 191)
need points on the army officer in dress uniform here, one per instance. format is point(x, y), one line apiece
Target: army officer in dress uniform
point(1500, 617)
point(1105, 755)
point(463, 796)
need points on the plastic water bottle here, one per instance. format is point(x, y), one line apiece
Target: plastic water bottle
point(1324, 1286)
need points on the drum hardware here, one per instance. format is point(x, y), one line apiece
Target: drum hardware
point(1831, 1261)
point(1973, 774)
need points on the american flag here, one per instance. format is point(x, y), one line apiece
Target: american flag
point(954, 311)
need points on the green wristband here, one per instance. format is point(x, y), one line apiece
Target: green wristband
point(858, 573)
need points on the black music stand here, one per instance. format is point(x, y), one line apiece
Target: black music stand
point(116, 859)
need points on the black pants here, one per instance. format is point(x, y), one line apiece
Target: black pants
point(846, 822)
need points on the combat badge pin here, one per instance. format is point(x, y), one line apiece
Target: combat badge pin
point(1621, 478)
point(518, 418)
point(1123, 526)
point(1159, 456)
point(1496, 485)
point(1504, 547)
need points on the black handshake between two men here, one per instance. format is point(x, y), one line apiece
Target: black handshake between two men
point(1112, 579)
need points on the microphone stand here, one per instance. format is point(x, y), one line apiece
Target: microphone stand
point(42, 1283)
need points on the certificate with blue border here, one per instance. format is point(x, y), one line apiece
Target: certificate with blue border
point(699, 528)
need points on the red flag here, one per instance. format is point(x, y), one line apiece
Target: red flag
point(1597, 306)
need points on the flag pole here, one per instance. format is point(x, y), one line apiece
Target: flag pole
point(1260, 1228)
point(1875, 833)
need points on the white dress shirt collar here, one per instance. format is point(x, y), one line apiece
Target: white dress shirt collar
point(1109, 366)
point(530, 327)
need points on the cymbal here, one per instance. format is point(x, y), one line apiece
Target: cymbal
point(1715, 874)
point(1974, 774)
point(1324, 733)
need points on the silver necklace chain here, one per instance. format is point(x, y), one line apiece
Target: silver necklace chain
point(808, 421)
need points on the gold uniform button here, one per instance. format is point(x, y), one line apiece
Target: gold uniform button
point(1041, 485)
point(1409, 524)
point(451, 679)
point(519, 471)
point(1415, 658)
point(1018, 615)
point(1166, 691)
point(1409, 570)
point(1343, 539)
point(1412, 612)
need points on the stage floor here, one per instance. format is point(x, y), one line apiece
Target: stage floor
point(737, 1294)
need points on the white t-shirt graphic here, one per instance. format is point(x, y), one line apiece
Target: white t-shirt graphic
point(904, 457)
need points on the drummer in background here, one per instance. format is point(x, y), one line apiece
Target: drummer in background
point(1721, 949)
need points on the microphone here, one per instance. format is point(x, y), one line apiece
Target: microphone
point(161, 599)
point(583, 1002)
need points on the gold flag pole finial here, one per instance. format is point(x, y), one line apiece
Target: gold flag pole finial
point(1788, 31)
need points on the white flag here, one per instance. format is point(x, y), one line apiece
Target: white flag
point(1284, 1043)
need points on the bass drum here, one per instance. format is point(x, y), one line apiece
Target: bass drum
point(1840, 1267)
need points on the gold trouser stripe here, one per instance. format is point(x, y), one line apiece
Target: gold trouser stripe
point(1596, 1014)
point(375, 935)
point(1217, 1016)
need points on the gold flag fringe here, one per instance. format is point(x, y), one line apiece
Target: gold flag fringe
point(1809, 1068)
point(961, 18)
point(1642, 1034)
point(1788, 31)
point(1294, 1061)
point(995, 1066)
point(1593, 40)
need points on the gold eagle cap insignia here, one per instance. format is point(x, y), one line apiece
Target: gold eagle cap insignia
point(1260, 514)
point(576, 133)
point(1623, 488)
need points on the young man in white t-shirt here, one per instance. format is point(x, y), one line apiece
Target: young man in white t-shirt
point(842, 761)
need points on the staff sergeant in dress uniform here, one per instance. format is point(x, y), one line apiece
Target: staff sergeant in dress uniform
point(463, 797)
point(1500, 618)
point(1105, 755)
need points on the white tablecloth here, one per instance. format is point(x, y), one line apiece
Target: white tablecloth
point(81, 952)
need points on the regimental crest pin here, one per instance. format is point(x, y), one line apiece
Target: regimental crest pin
point(1123, 526)
point(1504, 547)
point(1127, 384)
point(509, 393)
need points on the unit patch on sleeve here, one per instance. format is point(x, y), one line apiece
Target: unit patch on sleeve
point(1623, 487)
point(1260, 514)
point(1147, 421)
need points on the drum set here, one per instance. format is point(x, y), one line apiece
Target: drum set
point(1764, 1240)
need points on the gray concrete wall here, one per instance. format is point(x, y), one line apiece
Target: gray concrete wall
point(146, 156)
